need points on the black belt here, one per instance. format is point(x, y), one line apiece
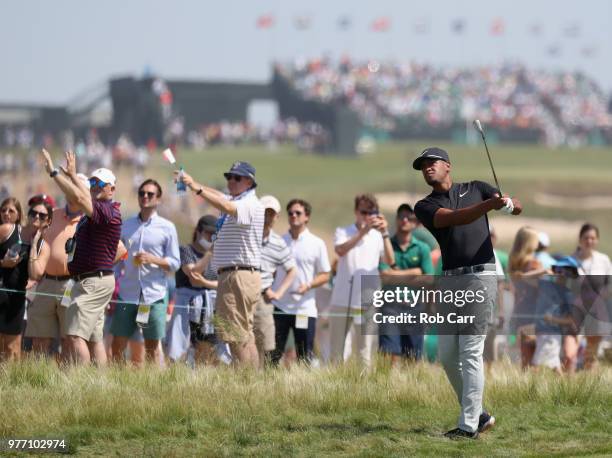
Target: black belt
point(236, 268)
point(470, 269)
point(58, 277)
point(98, 273)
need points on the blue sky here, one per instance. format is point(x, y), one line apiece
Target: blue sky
point(52, 50)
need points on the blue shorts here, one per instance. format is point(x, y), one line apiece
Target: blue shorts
point(410, 346)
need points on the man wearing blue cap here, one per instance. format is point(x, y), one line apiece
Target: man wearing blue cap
point(456, 215)
point(236, 257)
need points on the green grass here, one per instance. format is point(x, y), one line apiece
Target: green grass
point(221, 412)
point(330, 183)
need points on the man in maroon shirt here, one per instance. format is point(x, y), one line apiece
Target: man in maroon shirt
point(91, 253)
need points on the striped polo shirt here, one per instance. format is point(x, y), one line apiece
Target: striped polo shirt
point(274, 254)
point(239, 240)
point(97, 238)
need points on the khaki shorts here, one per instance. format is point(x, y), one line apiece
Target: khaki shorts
point(238, 294)
point(85, 315)
point(46, 315)
point(263, 326)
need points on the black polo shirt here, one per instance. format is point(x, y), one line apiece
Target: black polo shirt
point(465, 245)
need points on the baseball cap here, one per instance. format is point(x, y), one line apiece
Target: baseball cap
point(41, 199)
point(207, 223)
point(271, 202)
point(430, 153)
point(105, 175)
point(544, 239)
point(243, 169)
point(566, 262)
point(404, 208)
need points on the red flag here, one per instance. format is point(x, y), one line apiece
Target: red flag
point(497, 27)
point(265, 21)
point(381, 24)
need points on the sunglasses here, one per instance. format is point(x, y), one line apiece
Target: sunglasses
point(231, 176)
point(40, 215)
point(149, 195)
point(368, 212)
point(93, 182)
point(408, 217)
point(296, 213)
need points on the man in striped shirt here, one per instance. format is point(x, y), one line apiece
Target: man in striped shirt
point(91, 253)
point(274, 254)
point(237, 257)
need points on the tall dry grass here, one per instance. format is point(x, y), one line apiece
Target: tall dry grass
point(305, 411)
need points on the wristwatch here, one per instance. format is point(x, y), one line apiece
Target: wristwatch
point(54, 173)
point(199, 191)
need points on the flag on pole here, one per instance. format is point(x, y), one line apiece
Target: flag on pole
point(265, 21)
point(344, 22)
point(497, 27)
point(554, 50)
point(458, 26)
point(572, 30)
point(421, 27)
point(588, 51)
point(535, 29)
point(302, 22)
point(381, 24)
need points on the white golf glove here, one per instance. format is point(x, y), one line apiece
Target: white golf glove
point(509, 207)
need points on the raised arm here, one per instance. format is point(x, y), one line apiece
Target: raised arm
point(212, 196)
point(73, 192)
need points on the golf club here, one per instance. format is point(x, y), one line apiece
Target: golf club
point(478, 127)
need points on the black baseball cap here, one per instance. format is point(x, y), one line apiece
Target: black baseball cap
point(207, 223)
point(404, 208)
point(430, 153)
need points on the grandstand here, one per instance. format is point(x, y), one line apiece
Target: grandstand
point(411, 100)
point(346, 100)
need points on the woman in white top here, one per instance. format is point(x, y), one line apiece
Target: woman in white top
point(597, 268)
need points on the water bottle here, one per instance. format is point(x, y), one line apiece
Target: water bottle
point(181, 187)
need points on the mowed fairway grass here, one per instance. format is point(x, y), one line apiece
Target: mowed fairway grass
point(330, 183)
point(300, 412)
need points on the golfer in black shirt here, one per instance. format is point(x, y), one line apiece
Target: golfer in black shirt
point(456, 214)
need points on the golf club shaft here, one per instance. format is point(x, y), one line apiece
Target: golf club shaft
point(491, 163)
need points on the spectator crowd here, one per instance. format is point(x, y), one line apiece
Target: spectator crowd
point(564, 106)
point(84, 283)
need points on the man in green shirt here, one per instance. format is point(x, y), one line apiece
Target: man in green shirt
point(412, 257)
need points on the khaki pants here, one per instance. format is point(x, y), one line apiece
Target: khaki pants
point(85, 315)
point(46, 315)
point(341, 321)
point(238, 293)
point(263, 327)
